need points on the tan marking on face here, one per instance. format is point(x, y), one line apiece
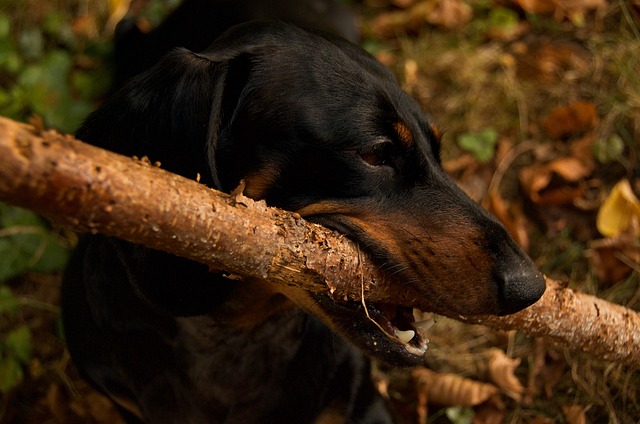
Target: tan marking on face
point(404, 133)
point(444, 262)
point(258, 183)
point(323, 207)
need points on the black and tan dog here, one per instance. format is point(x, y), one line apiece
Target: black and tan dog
point(312, 124)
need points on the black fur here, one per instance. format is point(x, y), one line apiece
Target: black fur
point(312, 124)
point(196, 23)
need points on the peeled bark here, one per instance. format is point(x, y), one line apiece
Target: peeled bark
point(91, 190)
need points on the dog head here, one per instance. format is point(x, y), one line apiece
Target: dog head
point(314, 124)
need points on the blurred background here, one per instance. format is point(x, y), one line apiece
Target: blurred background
point(539, 104)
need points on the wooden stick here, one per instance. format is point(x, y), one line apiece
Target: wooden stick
point(91, 190)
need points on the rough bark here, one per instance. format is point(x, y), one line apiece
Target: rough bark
point(91, 190)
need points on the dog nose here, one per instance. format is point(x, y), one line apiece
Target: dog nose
point(521, 290)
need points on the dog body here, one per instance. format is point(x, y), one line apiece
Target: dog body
point(313, 124)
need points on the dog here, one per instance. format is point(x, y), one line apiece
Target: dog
point(310, 123)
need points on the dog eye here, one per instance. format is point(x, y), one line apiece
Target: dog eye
point(379, 155)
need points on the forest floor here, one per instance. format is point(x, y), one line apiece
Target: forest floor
point(539, 103)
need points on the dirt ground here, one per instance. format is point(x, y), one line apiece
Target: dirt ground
point(539, 103)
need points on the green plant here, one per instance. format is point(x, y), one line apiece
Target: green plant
point(480, 144)
point(16, 350)
point(27, 244)
point(50, 71)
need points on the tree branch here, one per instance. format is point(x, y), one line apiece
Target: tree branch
point(91, 190)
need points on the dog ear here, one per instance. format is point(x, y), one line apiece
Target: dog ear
point(172, 113)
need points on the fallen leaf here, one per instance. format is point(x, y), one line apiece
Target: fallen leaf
point(490, 412)
point(572, 119)
point(547, 370)
point(538, 7)
point(552, 61)
point(574, 10)
point(451, 389)
point(55, 403)
point(619, 211)
point(544, 185)
point(448, 14)
point(512, 218)
point(574, 414)
point(570, 169)
point(614, 258)
point(501, 370)
point(85, 26)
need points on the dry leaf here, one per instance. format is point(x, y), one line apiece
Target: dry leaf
point(570, 169)
point(574, 414)
point(544, 183)
point(512, 218)
point(552, 61)
point(490, 412)
point(85, 26)
point(620, 211)
point(538, 7)
point(575, 118)
point(501, 370)
point(547, 370)
point(575, 10)
point(448, 14)
point(55, 401)
point(450, 389)
point(615, 258)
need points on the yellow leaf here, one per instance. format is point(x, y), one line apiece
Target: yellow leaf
point(619, 211)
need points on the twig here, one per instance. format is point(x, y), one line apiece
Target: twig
point(91, 190)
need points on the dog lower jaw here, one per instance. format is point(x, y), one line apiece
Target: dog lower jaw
point(402, 325)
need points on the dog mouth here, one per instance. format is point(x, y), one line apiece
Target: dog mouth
point(391, 332)
point(402, 325)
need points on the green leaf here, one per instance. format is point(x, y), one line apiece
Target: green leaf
point(5, 26)
point(18, 343)
point(11, 216)
point(26, 244)
point(481, 145)
point(503, 19)
point(460, 415)
point(11, 373)
point(609, 150)
point(54, 256)
point(9, 305)
point(49, 93)
point(31, 43)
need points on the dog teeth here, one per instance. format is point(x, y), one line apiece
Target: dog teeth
point(423, 326)
point(404, 336)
